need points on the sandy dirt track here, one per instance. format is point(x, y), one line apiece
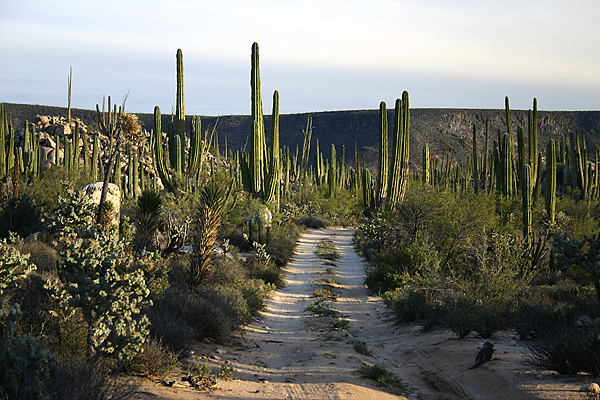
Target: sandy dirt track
point(292, 353)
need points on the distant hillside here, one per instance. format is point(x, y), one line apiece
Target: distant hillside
point(449, 129)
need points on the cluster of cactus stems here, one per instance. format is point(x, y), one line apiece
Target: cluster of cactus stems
point(392, 174)
point(179, 161)
point(260, 167)
point(266, 170)
point(509, 174)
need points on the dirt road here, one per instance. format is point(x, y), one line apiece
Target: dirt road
point(294, 353)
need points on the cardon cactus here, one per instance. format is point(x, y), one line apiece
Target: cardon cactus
point(398, 177)
point(526, 197)
point(425, 164)
point(550, 192)
point(475, 161)
point(383, 165)
point(176, 162)
point(3, 130)
point(332, 172)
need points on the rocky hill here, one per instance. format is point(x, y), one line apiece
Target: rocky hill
point(442, 129)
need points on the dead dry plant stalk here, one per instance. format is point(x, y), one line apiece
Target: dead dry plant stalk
point(212, 199)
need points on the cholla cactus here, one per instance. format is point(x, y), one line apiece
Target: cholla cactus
point(98, 276)
point(13, 266)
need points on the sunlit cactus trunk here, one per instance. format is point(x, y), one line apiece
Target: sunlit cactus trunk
point(550, 192)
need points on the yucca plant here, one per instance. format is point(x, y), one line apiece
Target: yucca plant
point(212, 199)
point(147, 219)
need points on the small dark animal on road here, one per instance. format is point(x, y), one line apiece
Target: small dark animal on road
point(485, 354)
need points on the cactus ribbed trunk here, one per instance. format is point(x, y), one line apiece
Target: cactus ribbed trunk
point(425, 164)
point(159, 158)
point(3, 129)
point(180, 109)
point(256, 166)
point(275, 126)
point(400, 152)
point(405, 146)
point(95, 159)
point(332, 178)
point(509, 127)
point(475, 161)
point(258, 127)
point(526, 197)
point(383, 165)
point(550, 192)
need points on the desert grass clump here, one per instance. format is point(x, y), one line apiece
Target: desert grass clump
point(362, 348)
point(383, 377)
point(154, 360)
point(327, 250)
point(325, 294)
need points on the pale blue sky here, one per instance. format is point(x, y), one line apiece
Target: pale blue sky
point(320, 55)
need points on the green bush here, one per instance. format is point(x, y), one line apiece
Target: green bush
point(154, 360)
point(461, 316)
point(565, 349)
point(29, 371)
point(410, 307)
point(20, 215)
point(490, 319)
point(229, 301)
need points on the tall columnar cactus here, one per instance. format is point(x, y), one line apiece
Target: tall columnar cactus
point(507, 170)
point(180, 104)
point(306, 148)
point(342, 178)
point(95, 159)
point(197, 147)
point(135, 176)
point(533, 139)
point(272, 180)
point(486, 166)
point(3, 130)
point(272, 184)
point(332, 172)
point(318, 164)
point(76, 153)
point(161, 167)
point(521, 161)
point(256, 159)
point(509, 127)
point(550, 192)
point(398, 177)
point(118, 178)
point(426, 162)
point(274, 151)
point(383, 165)
point(10, 155)
point(526, 197)
point(475, 161)
point(258, 128)
point(368, 189)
